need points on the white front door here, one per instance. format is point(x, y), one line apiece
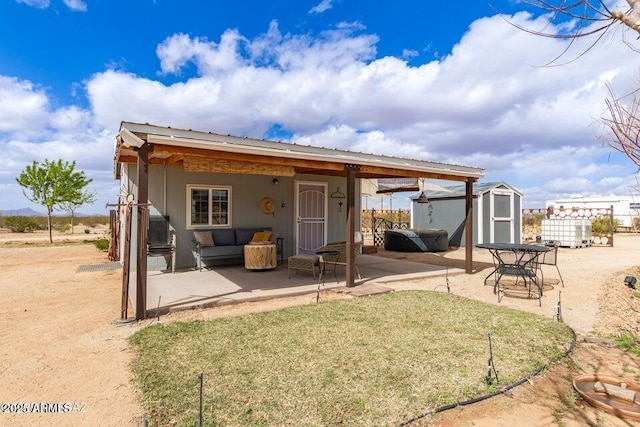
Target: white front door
point(311, 214)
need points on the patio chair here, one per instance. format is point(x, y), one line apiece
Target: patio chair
point(550, 258)
point(518, 265)
point(161, 239)
point(341, 248)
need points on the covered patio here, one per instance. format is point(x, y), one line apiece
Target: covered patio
point(157, 164)
point(189, 289)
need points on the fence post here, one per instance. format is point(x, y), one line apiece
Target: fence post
point(611, 225)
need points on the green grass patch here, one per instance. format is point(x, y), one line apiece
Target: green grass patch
point(359, 362)
point(629, 343)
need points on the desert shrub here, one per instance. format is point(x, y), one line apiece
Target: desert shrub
point(95, 220)
point(21, 224)
point(533, 220)
point(62, 227)
point(602, 225)
point(87, 231)
point(102, 244)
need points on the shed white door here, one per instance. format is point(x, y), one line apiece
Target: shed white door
point(311, 214)
point(502, 216)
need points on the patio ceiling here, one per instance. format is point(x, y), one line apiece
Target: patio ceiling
point(209, 152)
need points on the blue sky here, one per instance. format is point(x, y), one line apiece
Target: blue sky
point(430, 80)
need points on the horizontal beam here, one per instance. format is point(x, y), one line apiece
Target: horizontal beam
point(174, 155)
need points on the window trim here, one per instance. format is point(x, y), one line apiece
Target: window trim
point(210, 189)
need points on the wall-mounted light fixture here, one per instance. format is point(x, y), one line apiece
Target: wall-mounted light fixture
point(275, 181)
point(422, 199)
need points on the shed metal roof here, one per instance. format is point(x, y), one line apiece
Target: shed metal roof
point(458, 191)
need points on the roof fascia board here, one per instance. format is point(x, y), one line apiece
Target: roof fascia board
point(338, 156)
point(130, 139)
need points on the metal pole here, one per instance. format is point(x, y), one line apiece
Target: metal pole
point(201, 377)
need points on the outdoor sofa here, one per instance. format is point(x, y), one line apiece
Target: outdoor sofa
point(225, 246)
point(429, 240)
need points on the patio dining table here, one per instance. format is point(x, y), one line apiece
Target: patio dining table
point(516, 260)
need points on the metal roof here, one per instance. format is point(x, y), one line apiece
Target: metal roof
point(457, 191)
point(216, 142)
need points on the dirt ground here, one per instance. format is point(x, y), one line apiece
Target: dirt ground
point(61, 342)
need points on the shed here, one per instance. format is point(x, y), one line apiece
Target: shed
point(497, 213)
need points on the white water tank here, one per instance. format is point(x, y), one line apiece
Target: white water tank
point(572, 233)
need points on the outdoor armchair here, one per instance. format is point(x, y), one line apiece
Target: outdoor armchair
point(341, 249)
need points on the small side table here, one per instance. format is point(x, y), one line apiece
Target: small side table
point(260, 257)
point(323, 264)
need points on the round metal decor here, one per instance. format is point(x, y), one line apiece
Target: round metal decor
point(267, 205)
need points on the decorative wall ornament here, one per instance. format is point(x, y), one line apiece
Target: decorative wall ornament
point(267, 206)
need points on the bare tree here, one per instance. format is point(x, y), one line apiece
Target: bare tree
point(593, 18)
point(623, 124)
point(589, 19)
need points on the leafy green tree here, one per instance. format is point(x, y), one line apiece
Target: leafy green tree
point(86, 198)
point(52, 184)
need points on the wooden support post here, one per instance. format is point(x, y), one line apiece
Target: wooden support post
point(351, 197)
point(126, 264)
point(141, 261)
point(469, 227)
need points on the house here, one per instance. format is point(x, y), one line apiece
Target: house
point(497, 213)
point(207, 180)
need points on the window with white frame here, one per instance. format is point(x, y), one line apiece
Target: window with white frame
point(208, 206)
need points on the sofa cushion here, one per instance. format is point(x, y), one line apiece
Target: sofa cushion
point(224, 237)
point(204, 238)
point(229, 251)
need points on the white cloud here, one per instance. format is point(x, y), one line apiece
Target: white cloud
point(323, 6)
point(488, 103)
point(40, 4)
point(23, 106)
point(410, 53)
point(76, 5)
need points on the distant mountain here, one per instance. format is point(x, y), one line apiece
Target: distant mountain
point(22, 212)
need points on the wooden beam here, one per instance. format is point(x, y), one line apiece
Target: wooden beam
point(302, 166)
point(387, 172)
point(351, 171)
point(141, 261)
point(173, 160)
point(207, 164)
point(469, 227)
point(164, 150)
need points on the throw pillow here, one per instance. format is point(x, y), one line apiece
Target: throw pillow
point(204, 238)
point(261, 236)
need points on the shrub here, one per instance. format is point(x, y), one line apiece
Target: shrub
point(62, 227)
point(87, 231)
point(533, 220)
point(102, 244)
point(602, 226)
point(21, 224)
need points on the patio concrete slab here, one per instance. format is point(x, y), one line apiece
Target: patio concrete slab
point(223, 285)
